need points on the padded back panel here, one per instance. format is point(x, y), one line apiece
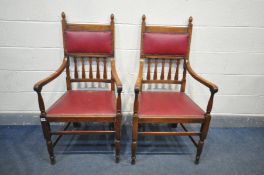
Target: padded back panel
point(88, 42)
point(165, 44)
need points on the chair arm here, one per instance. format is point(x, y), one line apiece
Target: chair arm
point(115, 76)
point(139, 78)
point(38, 86)
point(213, 88)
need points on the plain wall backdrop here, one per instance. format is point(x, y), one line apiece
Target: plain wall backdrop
point(227, 48)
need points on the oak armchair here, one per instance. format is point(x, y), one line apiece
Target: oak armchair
point(85, 45)
point(168, 47)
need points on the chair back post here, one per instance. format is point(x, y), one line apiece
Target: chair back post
point(190, 26)
point(112, 17)
point(64, 27)
point(186, 59)
point(143, 29)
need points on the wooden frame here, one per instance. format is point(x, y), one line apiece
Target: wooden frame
point(138, 120)
point(115, 81)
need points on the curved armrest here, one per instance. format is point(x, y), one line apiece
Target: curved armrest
point(115, 76)
point(139, 78)
point(38, 86)
point(213, 88)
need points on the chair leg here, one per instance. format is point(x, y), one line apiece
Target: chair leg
point(199, 151)
point(134, 139)
point(204, 131)
point(117, 137)
point(46, 131)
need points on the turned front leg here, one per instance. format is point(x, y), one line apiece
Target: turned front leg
point(134, 139)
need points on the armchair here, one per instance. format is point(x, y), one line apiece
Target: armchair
point(86, 44)
point(168, 46)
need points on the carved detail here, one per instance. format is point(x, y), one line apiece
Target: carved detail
point(63, 16)
point(190, 19)
point(112, 17)
point(143, 18)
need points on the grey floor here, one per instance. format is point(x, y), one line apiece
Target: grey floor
point(228, 151)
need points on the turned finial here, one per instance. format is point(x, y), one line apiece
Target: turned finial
point(190, 19)
point(143, 17)
point(112, 17)
point(63, 15)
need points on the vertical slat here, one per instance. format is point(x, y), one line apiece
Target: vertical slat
point(75, 68)
point(155, 69)
point(105, 71)
point(148, 73)
point(183, 76)
point(83, 68)
point(162, 70)
point(97, 69)
point(177, 70)
point(169, 72)
point(91, 68)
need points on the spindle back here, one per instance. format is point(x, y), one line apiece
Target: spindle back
point(88, 48)
point(168, 47)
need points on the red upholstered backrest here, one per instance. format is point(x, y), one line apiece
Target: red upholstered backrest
point(88, 42)
point(165, 44)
